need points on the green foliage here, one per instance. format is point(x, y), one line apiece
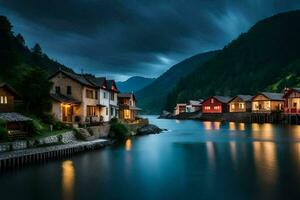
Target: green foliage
point(3, 131)
point(266, 58)
point(35, 127)
point(118, 129)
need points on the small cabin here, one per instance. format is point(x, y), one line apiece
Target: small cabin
point(180, 108)
point(266, 102)
point(194, 106)
point(8, 97)
point(240, 103)
point(215, 104)
point(292, 101)
point(127, 106)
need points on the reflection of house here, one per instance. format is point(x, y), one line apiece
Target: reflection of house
point(127, 106)
point(292, 101)
point(215, 104)
point(180, 108)
point(266, 102)
point(194, 106)
point(14, 122)
point(75, 99)
point(240, 103)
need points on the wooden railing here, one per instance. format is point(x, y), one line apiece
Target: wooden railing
point(292, 111)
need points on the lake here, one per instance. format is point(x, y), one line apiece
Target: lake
point(192, 160)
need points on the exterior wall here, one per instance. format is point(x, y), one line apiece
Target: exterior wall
point(264, 105)
point(292, 103)
point(105, 102)
point(63, 82)
point(238, 105)
point(113, 103)
point(212, 105)
point(180, 108)
point(90, 102)
point(56, 110)
point(8, 105)
point(123, 112)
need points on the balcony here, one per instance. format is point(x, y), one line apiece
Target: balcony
point(292, 111)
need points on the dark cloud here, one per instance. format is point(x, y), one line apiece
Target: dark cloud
point(121, 38)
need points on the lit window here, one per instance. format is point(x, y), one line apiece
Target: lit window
point(241, 105)
point(232, 106)
point(5, 100)
point(2, 100)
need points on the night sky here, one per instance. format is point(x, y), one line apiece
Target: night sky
point(122, 38)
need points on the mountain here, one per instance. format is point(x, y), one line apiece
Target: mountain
point(134, 84)
point(152, 98)
point(265, 58)
point(15, 56)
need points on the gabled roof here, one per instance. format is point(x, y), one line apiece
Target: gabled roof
point(81, 79)
point(126, 95)
point(97, 81)
point(111, 84)
point(223, 99)
point(243, 97)
point(11, 90)
point(288, 91)
point(271, 96)
point(64, 99)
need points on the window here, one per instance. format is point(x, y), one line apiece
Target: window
point(69, 90)
point(89, 94)
point(232, 106)
point(112, 111)
point(57, 90)
point(104, 95)
point(106, 111)
point(96, 94)
point(91, 111)
point(3, 100)
point(112, 96)
point(207, 108)
point(217, 107)
point(241, 105)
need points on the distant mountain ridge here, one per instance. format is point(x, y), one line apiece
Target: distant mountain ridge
point(134, 83)
point(152, 98)
point(266, 58)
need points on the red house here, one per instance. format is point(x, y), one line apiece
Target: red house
point(215, 104)
point(292, 101)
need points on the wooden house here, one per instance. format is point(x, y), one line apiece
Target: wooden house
point(292, 101)
point(266, 102)
point(240, 103)
point(127, 106)
point(194, 106)
point(8, 97)
point(215, 104)
point(180, 108)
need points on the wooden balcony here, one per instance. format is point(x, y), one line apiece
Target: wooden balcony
point(291, 111)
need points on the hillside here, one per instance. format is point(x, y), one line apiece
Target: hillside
point(134, 84)
point(267, 57)
point(15, 56)
point(153, 97)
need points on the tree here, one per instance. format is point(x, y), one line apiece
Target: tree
point(37, 50)
point(20, 39)
point(34, 87)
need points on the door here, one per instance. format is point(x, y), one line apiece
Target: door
point(67, 113)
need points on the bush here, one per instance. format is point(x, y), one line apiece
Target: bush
point(119, 130)
point(35, 127)
point(50, 120)
point(3, 133)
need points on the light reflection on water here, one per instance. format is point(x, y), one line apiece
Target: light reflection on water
point(68, 179)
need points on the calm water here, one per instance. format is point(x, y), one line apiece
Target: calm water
point(193, 160)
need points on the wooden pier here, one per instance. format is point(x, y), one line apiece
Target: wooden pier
point(22, 158)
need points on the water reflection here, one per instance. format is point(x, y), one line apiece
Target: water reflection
point(128, 145)
point(210, 147)
point(211, 125)
point(233, 151)
point(207, 125)
point(68, 179)
point(242, 126)
point(294, 131)
point(232, 126)
point(263, 131)
point(265, 157)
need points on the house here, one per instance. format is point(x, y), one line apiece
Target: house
point(292, 101)
point(194, 106)
point(75, 99)
point(8, 98)
point(240, 103)
point(108, 97)
point(180, 108)
point(266, 102)
point(15, 123)
point(215, 104)
point(127, 106)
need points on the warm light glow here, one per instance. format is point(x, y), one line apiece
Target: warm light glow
point(126, 114)
point(233, 151)
point(128, 144)
point(210, 153)
point(232, 126)
point(217, 125)
point(68, 179)
point(207, 125)
point(242, 126)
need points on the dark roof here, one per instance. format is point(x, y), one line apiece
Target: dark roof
point(11, 89)
point(125, 95)
point(223, 99)
point(243, 97)
point(111, 84)
point(64, 99)
point(14, 117)
point(76, 77)
point(272, 96)
point(97, 81)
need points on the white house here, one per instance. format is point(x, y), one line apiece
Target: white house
point(194, 106)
